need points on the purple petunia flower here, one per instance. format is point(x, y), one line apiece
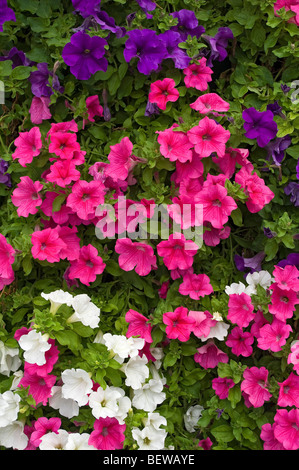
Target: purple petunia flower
point(292, 259)
point(6, 14)
point(5, 178)
point(171, 41)
point(218, 45)
point(86, 7)
point(107, 22)
point(187, 24)
point(252, 264)
point(292, 189)
point(276, 149)
point(146, 45)
point(17, 57)
point(269, 233)
point(151, 108)
point(39, 80)
point(146, 5)
point(85, 55)
point(285, 88)
point(275, 108)
point(259, 125)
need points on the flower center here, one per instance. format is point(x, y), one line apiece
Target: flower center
point(85, 197)
point(87, 51)
point(206, 137)
point(284, 299)
point(104, 432)
point(89, 264)
point(43, 246)
point(217, 203)
point(42, 381)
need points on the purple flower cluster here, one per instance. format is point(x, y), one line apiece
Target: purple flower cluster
point(4, 176)
point(218, 45)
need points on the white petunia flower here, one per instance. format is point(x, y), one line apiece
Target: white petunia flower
point(9, 408)
point(218, 331)
point(66, 406)
point(77, 441)
point(136, 371)
point(54, 441)
point(149, 438)
point(85, 311)
point(77, 385)
point(158, 354)
point(9, 359)
point(104, 403)
point(58, 298)
point(192, 416)
point(135, 345)
point(35, 345)
point(13, 436)
point(155, 420)
point(238, 288)
point(17, 377)
point(119, 345)
point(262, 278)
point(149, 396)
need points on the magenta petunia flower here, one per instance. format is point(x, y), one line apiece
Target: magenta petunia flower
point(198, 75)
point(255, 188)
point(178, 324)
point(7, 258)
point(63, 173)
point(286, 430)
point(212, 236)
point(232, 156)
point(283, 303)
point(240, 309)
point(71, 240)
point(138, 256)
point(26, 197)
point(270, 441)
point(41, 427)
point(289, 391)
point(93, 107)
point(138, 326)
point(286, 278)
point(47, 245)
point(217, 205)
point(222, 386)
point(240, 342)
point(210, 102)
point(209, 137)
point(163, 91)
point(175, 145)
point(64, 144)
point(196, 286)
point(177, 252)
point(85, 198)
point(40, 387)
point(273, 336)
point(39, 109)
point(209, 356)
point(293, 357)
point(87, 266)
point(254, 385)
point(85, 55)
point(28, 146)
point(203, 322)
point(188, 170)
point(121, 160)
point(108, 434)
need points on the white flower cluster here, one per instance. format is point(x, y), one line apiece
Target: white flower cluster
point(261, 278)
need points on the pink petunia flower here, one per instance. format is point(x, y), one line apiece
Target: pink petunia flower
point(254, 384)
point(72, 242)
point(93, 107)
point(210, 102)
point(67, 126)
point(258, 321)
point(108, 434)
point(240, 341)
point(177, 252)
point(203, 322)
point(39, 109)
point(209, 356)
point(273, 336)
point(240, 309)
point(138, 256)
point(217, 205)
point(198, 75)
point(41, 427)
point(270, 441)
point(88, 265)
point(40, 387)
point(196, 286)
point(255, 188)
point(7, 258)
point(209, 137)
point(293, 357)
point(64, 144)
point(63, 173)
point(289, 391)
point(138, 326)
point(163, 91)
point(26, 197)
point(232, 157)
point(222, 386)
point(178, 324)
point(47, 245)
point(205, 444)
point(175, 145)
point(286, 430)
point(283, 303)
point(188, 170)
point(28, 146)
point(287, 278)
point(212, 236)
point(85, 198)
point(121, 159)
point(186, 211)
point(51, 357)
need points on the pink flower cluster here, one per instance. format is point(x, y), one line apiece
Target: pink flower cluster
point(7, 258)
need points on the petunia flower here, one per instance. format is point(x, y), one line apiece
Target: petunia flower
point(222, 386)
point(6, 14)
point(47, 245)
point(28, 146)
point(240, 309)
point(85, 55)
point(175, 145)
point(259, 125)
point(240, 342)
point(286, 430)
point(177, 252)
point(85, 198)
point(163, 91)
point(198, 75)
point(26, 197)
point(187, 24)
point(209, 137)
point(139, 325)
point(108, 434)
point(196, 286)
point(93, 107)
point(88, 265)
point(39, 79)
point(40, 387)
point(146, 46)
point(289, 391)
point(217, 205)
point(218, 44)
point(39, 109)
point(270, 441)
point(172, 39)
point(209, 356)
point(178, 324)
point(137, 256)
point(210, 102)
point(292, 190)
point(63, 173)
point(86, 8)
point(255, 385)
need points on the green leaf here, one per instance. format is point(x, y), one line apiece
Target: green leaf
point(223, 433)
